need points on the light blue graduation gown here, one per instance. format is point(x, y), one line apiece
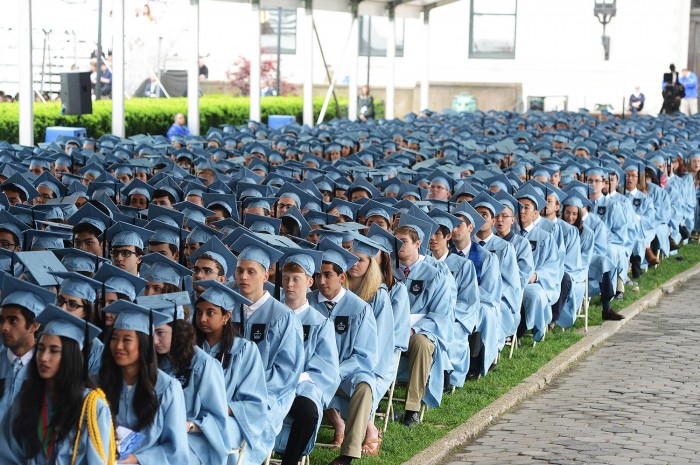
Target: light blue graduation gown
point(604, 247)
point(12, 383)
point(468, 315)
point(634, 233)
point(645, 215)
point(662, 206)
point(539, 296)
point(386, 366)
point(356, 341)
point(577, 271)
point(166, 438)
point(676, 188)
point(523, 252)
point(612, 215)
point(429, 295)
point(511, 288)
point(246, 395)
point(402, 316)
point(321, 364)
point(490, 289)
point(12, 453)
point(278, 334)
point(95, 357)
point(205, 399)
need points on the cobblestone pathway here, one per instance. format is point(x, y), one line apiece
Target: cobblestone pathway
point(635, 400)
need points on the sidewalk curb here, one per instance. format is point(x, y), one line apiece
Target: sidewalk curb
point(437, 452)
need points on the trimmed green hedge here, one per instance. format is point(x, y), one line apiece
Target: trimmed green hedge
point(155, 116)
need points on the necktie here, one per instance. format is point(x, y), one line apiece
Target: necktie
point(459, 253)
point(482, 243)
point(329, 305)
point(406, 271)
point(523, 232)
point(16, 366)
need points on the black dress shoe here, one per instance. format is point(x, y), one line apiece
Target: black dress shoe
point(341, 460)
point(612, 315)
point(685, 234)
point(673, 244)
point(410, 418)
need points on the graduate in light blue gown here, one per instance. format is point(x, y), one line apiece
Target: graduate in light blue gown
point(488, 275)
point(543, 288)
point(321, 373)
point(432, 320)
point(274, 328)
point(201, 378)
point(643, 210)
point(357, 344)
point(22, 302)
point(244, 374)
point(397, 290)
point(467, 307)
point(78, 295)
point(662, 206)
point(504, 223)
point(612, 216)
point(511, 289)
point(144, 400)
point(60, 406)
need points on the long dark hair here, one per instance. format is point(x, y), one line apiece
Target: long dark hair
point(67, 399)
point(182, 345)
point(387, 270)
point(579, 221)
point(144, 397)
point(230, 333)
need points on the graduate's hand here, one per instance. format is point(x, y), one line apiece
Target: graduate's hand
point(131, 458)
point(230, 413)
point(533, 278)
point(413, 332)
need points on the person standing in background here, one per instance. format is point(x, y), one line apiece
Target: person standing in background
point(365, 103)
point(203, 70)
point(179, 127)
point(636, 101)
point(689, 103)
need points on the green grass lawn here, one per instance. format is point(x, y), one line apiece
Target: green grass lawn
point(401, 443)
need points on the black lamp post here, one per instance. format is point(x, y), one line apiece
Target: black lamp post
point(604, 10)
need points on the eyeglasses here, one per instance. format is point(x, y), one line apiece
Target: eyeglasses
point(437, 187)
point(595, 181)
point(71, 304)
point(122, 253)
point(7, 245)
point(205, 271)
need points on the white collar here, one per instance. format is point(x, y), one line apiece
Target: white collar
point(530, 228)
point(336, 299)
point(250, 309)
point(487, 239)
point(442, 259)
point(24, 359)
point(536, 222)
point(633, 191)
point(403, 267)
point(302, 309)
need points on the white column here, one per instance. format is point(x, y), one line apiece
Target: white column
point(118, 120)
point(193, 71)
point(255, 62)
point(307, 32)
point(391, 67)
point(26, 76)
point(353, 56)
point(425, 81)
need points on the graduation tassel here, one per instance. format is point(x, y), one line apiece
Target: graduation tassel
point(396, 253)
point(103, 297)
point(174, 320)
point(520, 221)
point(242, 316)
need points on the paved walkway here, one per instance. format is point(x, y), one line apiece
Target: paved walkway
point(634, 400)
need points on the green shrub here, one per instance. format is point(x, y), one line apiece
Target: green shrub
point(155, 116)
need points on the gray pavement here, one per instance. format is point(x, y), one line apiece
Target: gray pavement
point(634, 400)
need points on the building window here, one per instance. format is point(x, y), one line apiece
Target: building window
point(373, 35)
point(492, 28)
point(278, 26)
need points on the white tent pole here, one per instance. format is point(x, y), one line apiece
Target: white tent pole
point(193, 71)
point(26, 76)
point(354, 52)
point(255, 62)
point(308, 44)
point(425, 82)
point(118, 114)
point(391, 66)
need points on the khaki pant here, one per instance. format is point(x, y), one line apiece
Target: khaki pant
point(420, 360)
point(359, 411)
point(689, 106)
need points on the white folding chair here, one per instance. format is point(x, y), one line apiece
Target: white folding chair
point(583, 309)
point(390, 399)
point(303, 461)
point(240, 451)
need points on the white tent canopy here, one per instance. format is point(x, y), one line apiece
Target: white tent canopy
point(390, 9)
